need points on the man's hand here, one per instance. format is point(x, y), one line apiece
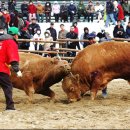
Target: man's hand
point(19, 74)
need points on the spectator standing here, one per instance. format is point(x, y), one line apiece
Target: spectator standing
point(109, 13)
point(81, 10)
point(11, 6)
point(33, 27)
point(24, 9)
point(2, 20)
point(90, 11)
point(56, 11)
point(71, 11)
point(48, 46)
point(32, 10)
point(62, 35)
point(24, 34)
point(64, 12)
point(120, 12)
point(53, 32)
point(128, 30)
point(7, 18)
point(48, 10)
point(126, 7)
point(85, 36)
point(3, 7)
point(72, 45)
point(119, 31)
point(8, 56)
point(76, 30)
point(40, 12)
point(38, 36)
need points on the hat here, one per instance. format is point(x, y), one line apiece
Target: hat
point(13, 31)
point(51, 23)
point(91, 35)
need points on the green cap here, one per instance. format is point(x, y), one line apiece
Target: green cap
point(13, 31)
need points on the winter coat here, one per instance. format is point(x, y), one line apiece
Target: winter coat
point(2, 21)
point(72, 35)
point(72, 9)
point(11, 6)
point(84, 36)
point(40, 9)
point(109, 8)
point(90, 9)
point(53, 33)
point(56, 8)
point(120, 12)
point(80, 8)
point(48, 8)
point(125, 7)
point(62, 34)
point(32, 9)
point(64, 9)
point(119, 32)
point(32, 28)
point(8, 53)
point(7, 17)
point(24, 8)
point(128, 32)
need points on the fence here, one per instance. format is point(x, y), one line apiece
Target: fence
point(61, 50)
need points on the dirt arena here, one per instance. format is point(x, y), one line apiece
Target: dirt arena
point(110, 113)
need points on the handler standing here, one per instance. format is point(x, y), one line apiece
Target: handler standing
point(8, 56)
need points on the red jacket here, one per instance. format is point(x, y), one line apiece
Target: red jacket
point(8, 53)
point(120, 12)
point(32, 9)
point(76, 30)
point(7, 17)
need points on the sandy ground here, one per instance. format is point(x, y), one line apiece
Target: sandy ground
point(110, 113)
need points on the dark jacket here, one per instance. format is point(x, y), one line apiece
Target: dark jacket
point(32, 28)
point(119, 32)
point(128, 32)
point(71, 9)
point(72, 35)
point(48, 8)
point(2, 21)
point(24, 8)
point(64, 9)
point(85, 36)
point(53, 33)
point(109, 7)
point(11, 6)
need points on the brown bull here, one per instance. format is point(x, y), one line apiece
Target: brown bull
point(39, 73)
point(95, 66)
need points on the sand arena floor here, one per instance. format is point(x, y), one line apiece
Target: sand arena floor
point(110, 113)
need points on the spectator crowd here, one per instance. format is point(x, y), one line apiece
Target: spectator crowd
point(30, 15)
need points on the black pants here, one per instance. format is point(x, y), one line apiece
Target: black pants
point(6, 85)
point(56, 17)
point(64, 17)
point(48, 17)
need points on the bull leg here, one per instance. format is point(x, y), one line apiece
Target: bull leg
point(96, 83)
point(30, 92)
point(48, 92)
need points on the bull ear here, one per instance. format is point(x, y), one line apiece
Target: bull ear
point(55, 60)
point(72, 89)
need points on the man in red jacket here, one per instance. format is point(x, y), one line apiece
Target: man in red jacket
point(8, 56)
